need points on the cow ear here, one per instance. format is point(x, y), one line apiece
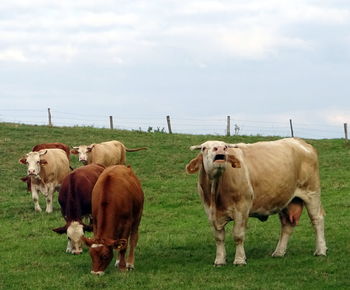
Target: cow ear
point(87, 241)
point(89, 148)
point(43, 162)
point(195, 164)
point(87, 228)
point(74, 151)
point(120, 244)
point(234, 161)
point(23, 160)
point(61, 230)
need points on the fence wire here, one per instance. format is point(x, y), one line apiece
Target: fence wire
point(148, 123)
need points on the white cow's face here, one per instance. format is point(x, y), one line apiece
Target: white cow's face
point(34, 162)
point(83, 151)
point(74, 233)
point(214, 157)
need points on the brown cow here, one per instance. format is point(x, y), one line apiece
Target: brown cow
point(75, 201)
point(46, 170)
point(105, 153)
point(117, 203)
point(39, 147)
point(241, 180)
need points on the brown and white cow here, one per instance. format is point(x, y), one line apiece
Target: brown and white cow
point(241, 180)
point(105, 153)
point(117, 203)
point(42, 146)
point(75, 201)
point(46, 169)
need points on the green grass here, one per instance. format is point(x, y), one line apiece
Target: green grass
point(176, 249)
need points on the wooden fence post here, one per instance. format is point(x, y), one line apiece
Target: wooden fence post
point(169, 125)
point(228, 129)
point(291, 127)
point(111, 122)
point(346, 132)
point(49, 113)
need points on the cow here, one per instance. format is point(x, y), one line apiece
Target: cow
point(46, 170)
point(105, 153)
point(237, 181)
point(75, 201)
point(39, 147)
point(54, 145)
point(117, 204)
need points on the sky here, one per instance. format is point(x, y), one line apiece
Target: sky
point(262, 62)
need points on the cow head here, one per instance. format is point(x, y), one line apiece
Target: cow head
point(83, 152)
point(101, 252)
point(214, 157)
point(75, 231)
point(34, 162)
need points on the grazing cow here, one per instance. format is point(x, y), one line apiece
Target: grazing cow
point(105, 153)
point(75, 201)
point(39, 147)
point(117, 203)
point(46, 170)
point(241, 180)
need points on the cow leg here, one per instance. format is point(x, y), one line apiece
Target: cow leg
point(69, 247)
point(131, 256)
point(316, 214)
point(286, 231)
point(35, 197)
point(121, 262)
point(49, 198)
point(220, 259)
point(238, 237)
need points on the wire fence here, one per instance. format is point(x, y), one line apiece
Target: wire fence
point(212, 125)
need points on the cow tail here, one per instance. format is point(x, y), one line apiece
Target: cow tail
point(135, 149)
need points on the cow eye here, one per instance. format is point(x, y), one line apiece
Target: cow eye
point(215, 149)
point(203, 148)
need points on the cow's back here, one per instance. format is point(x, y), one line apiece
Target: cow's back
point(75, 193)
point(57, 167)
point(117, 197)
point(276, 169)
point(108, 153)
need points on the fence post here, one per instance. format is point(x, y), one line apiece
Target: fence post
point(291, 127)
point(346, 132)
point(49, 113)
point(228, 129)
point(111, 122)
point(169, 125)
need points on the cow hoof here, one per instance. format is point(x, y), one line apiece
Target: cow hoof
point(219, 265)
point(320, 252)
point(116, 263)
point(278, 254)
point(38, 209)
point(239, 262)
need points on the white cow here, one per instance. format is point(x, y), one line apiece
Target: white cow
point(105, 153)
point(46, 169)
point(241, 180)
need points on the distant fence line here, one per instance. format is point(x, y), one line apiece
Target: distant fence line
point(224, 126)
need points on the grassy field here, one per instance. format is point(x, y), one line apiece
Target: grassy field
point(176, 249)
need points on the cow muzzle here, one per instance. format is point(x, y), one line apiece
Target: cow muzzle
point(99, 273)
point(220, 158)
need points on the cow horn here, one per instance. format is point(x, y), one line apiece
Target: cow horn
point(42, 152)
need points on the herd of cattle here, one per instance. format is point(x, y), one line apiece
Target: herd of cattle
point(235, 181)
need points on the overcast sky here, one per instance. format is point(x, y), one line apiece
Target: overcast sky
point(256, 60)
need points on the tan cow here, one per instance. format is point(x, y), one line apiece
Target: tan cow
point(241, 180)
point(46, 169)
point(105, 153)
